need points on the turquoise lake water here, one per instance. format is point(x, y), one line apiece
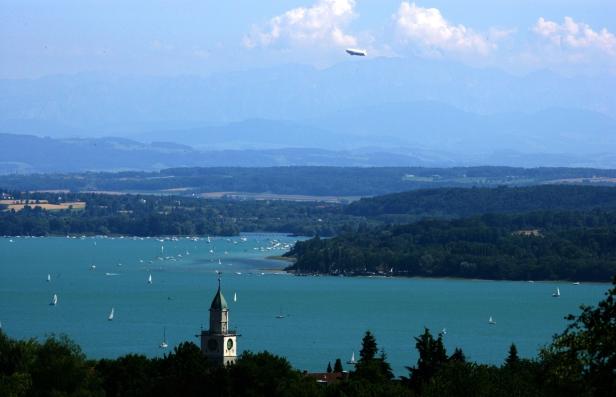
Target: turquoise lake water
point(327, 316)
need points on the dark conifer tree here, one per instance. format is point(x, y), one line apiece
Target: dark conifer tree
point(338, 366)
point(458, 356)
point(432, 356)
point(513, 358)
point(368, 347)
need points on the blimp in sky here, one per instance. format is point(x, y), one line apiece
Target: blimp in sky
point(355, 51)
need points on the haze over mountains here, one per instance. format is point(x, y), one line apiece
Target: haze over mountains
point(382, 111)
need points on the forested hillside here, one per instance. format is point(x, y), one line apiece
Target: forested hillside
point(316, 181)
point(150, 215)
point(458, 202)
point(543, 245)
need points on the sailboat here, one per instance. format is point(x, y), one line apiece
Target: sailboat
point(557, 293)
point(54, 300)
point(281, 315)
point(150, 279)
point(163, 344)
point(491, 321)
point(48, 277)
point(208, 239)
point(235, 297)
point(352, 360)
point(219, 262)
point(110, 318)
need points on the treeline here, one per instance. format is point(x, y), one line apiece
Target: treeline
point(459, 202)
point(329, 181)
point(147, 215)
point(580, 362)
point(544, 245)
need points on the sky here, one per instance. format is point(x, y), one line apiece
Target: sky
point(201, 37)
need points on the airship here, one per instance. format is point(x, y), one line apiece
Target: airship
point(355, 51)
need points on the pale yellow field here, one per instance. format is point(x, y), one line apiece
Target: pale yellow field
point(77, 205)
point(9, 202)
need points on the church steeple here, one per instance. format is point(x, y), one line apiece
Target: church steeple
point(219, 343)
point(219, 302)
point(219, 313)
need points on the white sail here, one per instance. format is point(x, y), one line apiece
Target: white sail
point(48, 277)
point(235, 297)
point(150, 279)
point(352, 360)
point(54, 300)
point(557, 293)
point(491, 321)
point(110, 318)
point(163, 344)
point(281, 315)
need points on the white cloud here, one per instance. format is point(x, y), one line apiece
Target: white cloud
point(318, 25)
point(576, 36)
point(429, 30)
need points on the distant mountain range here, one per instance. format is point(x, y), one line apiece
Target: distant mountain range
point(378, 112)
point(32, 154)
point(21, 154)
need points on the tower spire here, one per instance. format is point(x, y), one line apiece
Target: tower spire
point(218, 343)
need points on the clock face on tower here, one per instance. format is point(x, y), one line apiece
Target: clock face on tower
point(229, 344)
point(212, 345)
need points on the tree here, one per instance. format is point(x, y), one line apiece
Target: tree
point(458, 356)
point(128, 375)
point(368, 347)
point(432, 356)
point(329, 368)
point(338, 366)
point(582, 360)
point(369, 367)
point(513, 358)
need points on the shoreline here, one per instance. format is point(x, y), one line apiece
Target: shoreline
point(401, 277)
point(281, 258)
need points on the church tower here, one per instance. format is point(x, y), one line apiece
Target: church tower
point(219, 342)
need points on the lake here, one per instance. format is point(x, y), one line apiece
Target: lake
point(326, 317)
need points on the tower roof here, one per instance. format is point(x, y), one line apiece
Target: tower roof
point(219, 302)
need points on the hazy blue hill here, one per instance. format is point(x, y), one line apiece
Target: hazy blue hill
point(259, 134)
point(29, 154)
point(439, 126)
